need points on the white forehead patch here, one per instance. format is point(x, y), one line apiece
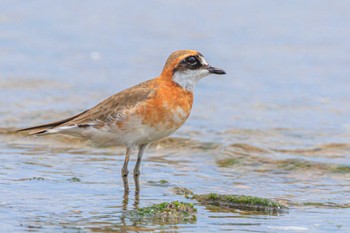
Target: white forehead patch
point(203, 61)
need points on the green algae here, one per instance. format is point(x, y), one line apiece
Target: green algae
point(266, 164)
point(182, 191)
point(325, 205)
point(228, 162)
point(33, 178)
point(37, 178)
point(74, 179)
point(341, 169)
point(240, 202)
point(159, 183)
point(165, 212)
point(294, 164)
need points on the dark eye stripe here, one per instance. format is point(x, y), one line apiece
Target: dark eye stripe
point(189, 63)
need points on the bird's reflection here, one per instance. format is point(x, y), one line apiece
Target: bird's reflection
point(125, 203)
point(126, 200)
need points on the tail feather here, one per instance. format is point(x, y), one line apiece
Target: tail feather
point(41, 129)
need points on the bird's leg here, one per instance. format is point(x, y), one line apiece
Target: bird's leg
point(125, 171)
point(136, 173)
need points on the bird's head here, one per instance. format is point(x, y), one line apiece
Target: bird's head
point(187, 67)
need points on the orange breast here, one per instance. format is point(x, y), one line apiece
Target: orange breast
point(169, 108)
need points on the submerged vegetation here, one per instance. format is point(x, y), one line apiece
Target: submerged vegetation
point(74, 179)
point(240, 202)
point(228, 162)
point(285, 164)
point(233, 201)
point(183, 212)
point(325, 205)
point(158, 183)
point(34, 178)
point(166, 212)
point(183, 191)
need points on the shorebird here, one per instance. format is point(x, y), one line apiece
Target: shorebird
point(141, 114)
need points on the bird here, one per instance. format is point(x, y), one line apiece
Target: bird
point(139, 115)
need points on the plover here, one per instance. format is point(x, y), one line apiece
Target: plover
point(141, 114)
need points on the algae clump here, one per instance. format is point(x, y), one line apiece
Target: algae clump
point(240, 202)
point(183, 191)
point(228, 162)
point(166, 212)
point(74, 179)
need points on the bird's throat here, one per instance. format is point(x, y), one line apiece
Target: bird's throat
point(189, 78)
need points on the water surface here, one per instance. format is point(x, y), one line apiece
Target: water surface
point(275, 126)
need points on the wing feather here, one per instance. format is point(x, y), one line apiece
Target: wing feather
point(105, 111)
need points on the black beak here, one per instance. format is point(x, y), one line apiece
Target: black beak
point(214, 70)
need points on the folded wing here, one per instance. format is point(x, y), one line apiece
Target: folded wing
point(105, 111)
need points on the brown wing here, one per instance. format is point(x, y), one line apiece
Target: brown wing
point(105, 110)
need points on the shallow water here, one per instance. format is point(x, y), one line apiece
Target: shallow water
point(275, 126)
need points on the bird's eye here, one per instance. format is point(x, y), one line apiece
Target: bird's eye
point(192, 61)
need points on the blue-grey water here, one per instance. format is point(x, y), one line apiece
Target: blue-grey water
point(281, 113)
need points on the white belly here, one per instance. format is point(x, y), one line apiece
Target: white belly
point(134, 132)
